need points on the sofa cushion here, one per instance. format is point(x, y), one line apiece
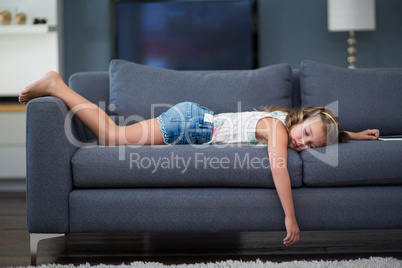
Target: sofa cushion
point(178, 166)
point(134, 87)
point(354, 163)
point(367, 98)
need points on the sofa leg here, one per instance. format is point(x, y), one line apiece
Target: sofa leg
point(35, 238)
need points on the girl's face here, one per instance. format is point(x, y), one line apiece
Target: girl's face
point(309, 134)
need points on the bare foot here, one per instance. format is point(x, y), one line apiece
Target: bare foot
point(43, 87)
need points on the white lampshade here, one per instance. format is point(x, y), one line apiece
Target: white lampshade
point(351, 15)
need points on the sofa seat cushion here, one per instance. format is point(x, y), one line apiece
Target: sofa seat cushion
point(178, 166)
point(140, 92)
point(353, 163)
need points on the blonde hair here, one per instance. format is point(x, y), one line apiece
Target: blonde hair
point(328, 118)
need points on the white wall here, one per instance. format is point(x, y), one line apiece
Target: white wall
point(25, 55)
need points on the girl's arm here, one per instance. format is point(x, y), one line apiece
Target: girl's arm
point(277, 152)
point(368, 134)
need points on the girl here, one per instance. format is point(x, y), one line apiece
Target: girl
point(187, 122)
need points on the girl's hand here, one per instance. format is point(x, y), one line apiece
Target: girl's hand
point(293, 231)
point(368, 134)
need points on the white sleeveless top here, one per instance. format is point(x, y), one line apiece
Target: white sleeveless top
point(240, 127)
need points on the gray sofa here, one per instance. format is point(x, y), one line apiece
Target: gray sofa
point(77, 186)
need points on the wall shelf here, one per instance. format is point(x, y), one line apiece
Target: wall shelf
point(12, 108)
point(27, 29)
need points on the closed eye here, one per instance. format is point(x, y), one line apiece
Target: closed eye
point(311, 145)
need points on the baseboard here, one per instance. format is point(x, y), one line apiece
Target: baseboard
point(13, 185)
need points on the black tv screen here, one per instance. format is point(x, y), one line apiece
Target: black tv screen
point(187, 35)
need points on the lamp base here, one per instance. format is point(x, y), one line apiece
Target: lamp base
point(352, 50)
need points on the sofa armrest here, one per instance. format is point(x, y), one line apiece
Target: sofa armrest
point(49, 175)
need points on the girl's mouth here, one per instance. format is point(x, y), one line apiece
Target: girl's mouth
point(295, 144)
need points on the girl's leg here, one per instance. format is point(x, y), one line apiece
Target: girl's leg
point(95, 119)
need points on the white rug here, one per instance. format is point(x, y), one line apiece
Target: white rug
point(372, 262)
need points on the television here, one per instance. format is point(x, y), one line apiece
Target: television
point(187, 35)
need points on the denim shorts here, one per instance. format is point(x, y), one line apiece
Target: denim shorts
point(186, 123)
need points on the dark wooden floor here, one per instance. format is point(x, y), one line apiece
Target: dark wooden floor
point(184, 248)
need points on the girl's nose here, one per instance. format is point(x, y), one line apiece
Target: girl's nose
point(302, 143)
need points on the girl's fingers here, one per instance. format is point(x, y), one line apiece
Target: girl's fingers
point(291, 239)
point(373, 133)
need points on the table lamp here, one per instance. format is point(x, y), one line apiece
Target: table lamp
point(351, 15)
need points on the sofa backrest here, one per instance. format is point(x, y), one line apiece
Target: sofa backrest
point(296, 98)
point(94, 86)
point(134, 88)
point(362, 98)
